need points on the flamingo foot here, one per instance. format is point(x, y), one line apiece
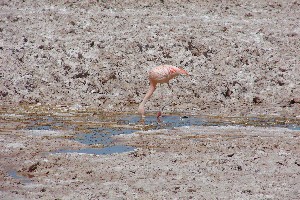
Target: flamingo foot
point(158, 114)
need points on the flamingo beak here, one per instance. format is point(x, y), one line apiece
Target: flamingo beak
point(182, 71)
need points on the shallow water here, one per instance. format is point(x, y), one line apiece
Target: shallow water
point(96, 129)
point(101, 134)
point(100, 151)
point(22, 179)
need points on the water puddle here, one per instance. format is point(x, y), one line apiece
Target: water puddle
point(14, 174)
point(97, 129)
point(97, 132)
point(101, 151)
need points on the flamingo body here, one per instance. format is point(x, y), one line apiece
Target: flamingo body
point(160, 74)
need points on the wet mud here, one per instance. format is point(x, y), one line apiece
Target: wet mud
point(110, 156)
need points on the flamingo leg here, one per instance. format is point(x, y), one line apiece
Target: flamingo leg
point(164, 103)
point(159, 113)
point(141, 108)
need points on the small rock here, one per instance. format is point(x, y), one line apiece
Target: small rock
point(247, 191)
point(33, 167)
point(191, 190)
point(230, 155)
point(227, 93)
point(248, 15)
point(257, 100)
point(292, 34)
point(224, 29)
point(279, 163)
point(3, 93)
point(295, 100)
point(80, 56)
point(92, 44)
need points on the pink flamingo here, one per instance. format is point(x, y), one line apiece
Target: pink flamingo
point(160, 74)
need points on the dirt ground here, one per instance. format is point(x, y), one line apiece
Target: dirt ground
point(226, 162)
point(243, 58)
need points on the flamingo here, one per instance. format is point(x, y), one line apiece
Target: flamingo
point(160, 74)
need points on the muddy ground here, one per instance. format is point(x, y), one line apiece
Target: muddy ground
point(243, 58)
point(207, 162)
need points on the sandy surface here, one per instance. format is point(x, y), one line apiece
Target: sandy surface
point(244, 60)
